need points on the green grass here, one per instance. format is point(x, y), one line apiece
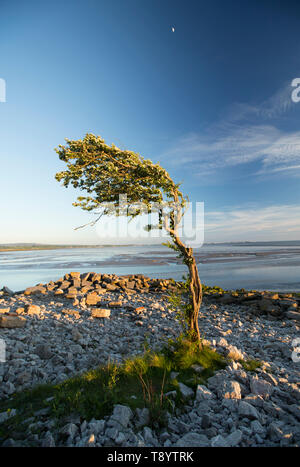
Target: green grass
point(213, 290)
point(138, 382)
point(250, 365)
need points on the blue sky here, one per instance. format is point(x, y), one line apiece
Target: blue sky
point(210, 101)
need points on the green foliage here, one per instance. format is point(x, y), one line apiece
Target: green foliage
point(105, 172)
point(123, 183)
point(251, 364)
point(212, 290)
point(181, 253)
point(179, 302)
point(184, 353)
point(137, 365)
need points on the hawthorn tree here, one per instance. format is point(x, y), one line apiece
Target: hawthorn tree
point(105, 173)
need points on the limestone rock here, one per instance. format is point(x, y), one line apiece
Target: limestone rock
point(12, 321)
point(7, 291)
point(32, 309)
point(75, 275)
point(92, 298)
point(293, 315)
point(43, 351)
point(122, 414)
point(261, 387)
point(202, 393)
point(143, 417)
point(71, 312)
point(193, 440)
point(101, 313)
point(234, 353)
point(234, 438)
point(246, 410)
point(35, 290)
point(185, 391)
point(219, 442)
point(20, 310)
point(232, 390)
point(58, 292)
point(115, 304)
point(48, 441)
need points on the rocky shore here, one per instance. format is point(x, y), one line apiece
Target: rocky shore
point(56, 330)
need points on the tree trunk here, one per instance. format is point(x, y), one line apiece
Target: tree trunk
point(195, 283)
point(195, 290)
point(195, 296)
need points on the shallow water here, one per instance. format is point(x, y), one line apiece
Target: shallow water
point(270, 266)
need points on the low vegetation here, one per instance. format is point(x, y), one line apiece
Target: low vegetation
point(142, 381)
point(149, 380)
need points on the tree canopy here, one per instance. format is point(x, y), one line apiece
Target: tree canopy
point(105, 172)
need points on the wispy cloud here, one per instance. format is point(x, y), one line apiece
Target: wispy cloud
point(253, 223)
point(242, 136)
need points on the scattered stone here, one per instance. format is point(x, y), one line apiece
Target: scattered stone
point(143, 417)
point(219, 442)
point(234, 438)
point(35, 290)
point(12, 321)
point(48, 441)
point(261, 387)
point(115, 304)
point(192, 440)
point(20, 310)
point(185, 391)
point(58, 292)
point(293, 315)
point(206, 421)
point(122, 414)
point(9, 443)
point(248, 411)
point(100, 313)
point(43, 352)
point(234, 353)
point(203, 393)
point(75, 275)
point(92, 298)
point(69, 430)
point(7, 291)
point(215, 411)
point(230, 390)
point(256, 427)
point(32, 309)
point(71, 312)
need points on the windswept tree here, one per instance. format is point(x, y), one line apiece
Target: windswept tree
point(106, 173)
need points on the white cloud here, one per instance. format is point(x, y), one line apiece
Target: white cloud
point(241, 137)
point(280, 222)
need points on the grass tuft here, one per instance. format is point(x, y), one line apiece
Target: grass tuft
point(250, 365)
point(141, 381)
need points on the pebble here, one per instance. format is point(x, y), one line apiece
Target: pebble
point(234, 408)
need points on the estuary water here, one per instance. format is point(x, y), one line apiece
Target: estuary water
point(258, 265)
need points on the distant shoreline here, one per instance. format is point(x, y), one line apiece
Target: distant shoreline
point(8, 247)
point(54, 247)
